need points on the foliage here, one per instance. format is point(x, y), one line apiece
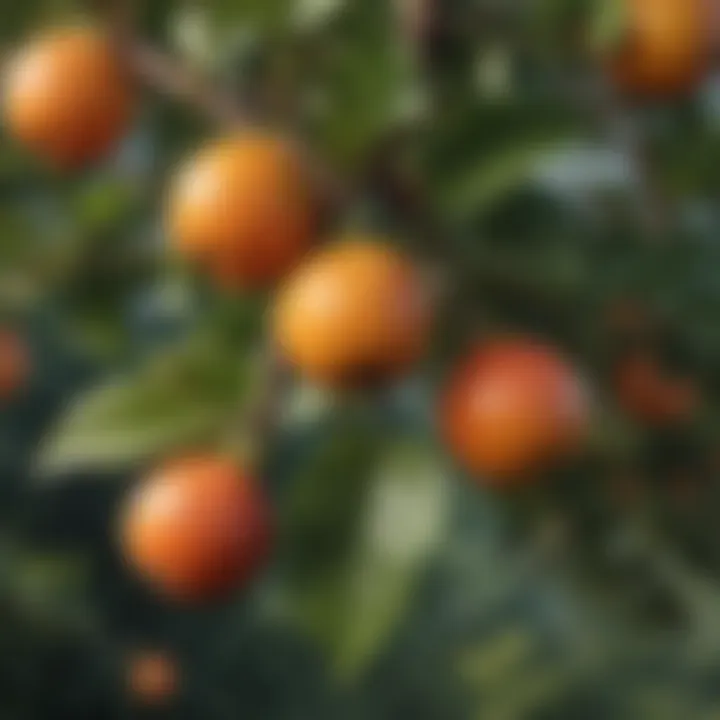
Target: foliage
point(399, 587)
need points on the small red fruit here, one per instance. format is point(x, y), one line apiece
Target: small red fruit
point(513, 408)
point(196, 529)
point(152, 678)
point(14, 364)
point(649, 395)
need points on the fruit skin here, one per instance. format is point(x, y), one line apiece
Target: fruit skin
point(196, 529)
point(14, 364)
point(649, 395)
point(355, 313)
point(666, 50)
point(513, 407)
point(67, 96)
point(242, 208)
point(152, 678)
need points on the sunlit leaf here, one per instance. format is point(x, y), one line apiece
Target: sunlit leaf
point(180, 397)
point(360, 569)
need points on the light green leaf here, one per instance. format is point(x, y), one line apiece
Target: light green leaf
point(609, 24)
point(404, 524)
point(104, 203)
point(367, 537)
point(185, 395)
point(265, 15)
point(367, 82)
point(496, 175)
point(311, 14)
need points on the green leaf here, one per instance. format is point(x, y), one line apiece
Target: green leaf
point(364, 523)
point(263, 15)
point(328, 484)
point(102, 204)
point(496, 175)
point(609, 24)
point(556, 21)
point(183, 396)
point(404, 523)
point(365, 81)
point(480, 151)
point(312, 14)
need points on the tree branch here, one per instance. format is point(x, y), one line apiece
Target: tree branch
point(654, 206)
point(264, 414)
point(166, 75)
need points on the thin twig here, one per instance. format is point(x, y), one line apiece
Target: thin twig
point(621, 124)
point(264, 414)
point(166, 75)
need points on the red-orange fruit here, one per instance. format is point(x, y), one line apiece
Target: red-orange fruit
point(514, 407)
point(196, 529)
point(357, 313)
point(67, 96)
point(666, 48)
point(649, 395)
point(14, 364)
point(153, 678)
point(243, 208)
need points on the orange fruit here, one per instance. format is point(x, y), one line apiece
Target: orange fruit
point(67, 96)
point(513, 407)
point(196, 529)
point(242, 208)
point(357, 312)
point(666, 50)
point(152, 678)
point(650, 396)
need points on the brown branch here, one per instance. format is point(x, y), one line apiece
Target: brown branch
point(654, 206)
point(418, 21)
point(168, 76)
point(165, 74)
point(264, 414)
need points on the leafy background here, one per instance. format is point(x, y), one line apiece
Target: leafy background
point(398, 588)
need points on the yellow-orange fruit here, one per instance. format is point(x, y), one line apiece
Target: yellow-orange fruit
point(14, 363)
point(649, 395)
point(152, 678)
point(666, 50)
point(243, 208)
point(67, 96)
point(196, 529)
point(513, 408)
point(355, 313)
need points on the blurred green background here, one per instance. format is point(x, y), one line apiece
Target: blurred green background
point(399, 588)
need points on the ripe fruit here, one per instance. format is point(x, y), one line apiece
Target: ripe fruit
point(14, 363)
point(196, 528)
point(513, 407)
point(67, 97)
point(152, 678)
point(649, 395)
point(242, 208)
point(355, 313)
point(666, 50)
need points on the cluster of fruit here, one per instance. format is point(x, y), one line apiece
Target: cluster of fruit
point(345, 314)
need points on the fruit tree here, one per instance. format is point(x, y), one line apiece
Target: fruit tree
point(359, 359)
